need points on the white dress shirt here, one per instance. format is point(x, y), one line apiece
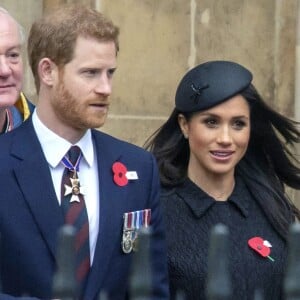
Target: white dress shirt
point(55, 148)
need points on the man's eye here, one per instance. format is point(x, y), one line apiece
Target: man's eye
point(91, 72)
point(111, 72)
point(14, 56)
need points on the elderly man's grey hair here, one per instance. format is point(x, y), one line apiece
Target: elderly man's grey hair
point(20, 27)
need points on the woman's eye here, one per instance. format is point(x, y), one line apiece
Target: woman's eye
point(238, 124)
point(211, 122)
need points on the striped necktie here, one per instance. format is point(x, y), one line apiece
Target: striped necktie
point(75, 213)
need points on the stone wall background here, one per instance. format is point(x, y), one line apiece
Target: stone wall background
point(161, 39)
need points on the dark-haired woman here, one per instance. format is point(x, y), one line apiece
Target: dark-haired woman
point(225, 156)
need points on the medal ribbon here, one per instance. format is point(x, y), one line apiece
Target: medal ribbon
point(137, 219)
point(67, 163)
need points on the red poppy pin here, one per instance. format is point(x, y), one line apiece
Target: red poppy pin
point(121, 175)
point(262, 247)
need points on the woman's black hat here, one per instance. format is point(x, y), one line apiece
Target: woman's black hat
point(209, 84)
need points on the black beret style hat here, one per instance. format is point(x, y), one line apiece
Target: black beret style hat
point(209, 84)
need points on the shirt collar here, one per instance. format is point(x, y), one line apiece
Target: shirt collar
point(7, 124)
point(55, 147)
point(23, 107)
point(199, 202)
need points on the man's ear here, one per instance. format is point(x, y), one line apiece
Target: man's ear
point(48, 71)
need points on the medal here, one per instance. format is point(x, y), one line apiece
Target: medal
point(75, 189)
point(127, 243)
point(133, 221)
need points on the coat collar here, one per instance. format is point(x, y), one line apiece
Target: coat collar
point(199, 202)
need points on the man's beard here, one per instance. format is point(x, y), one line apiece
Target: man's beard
point(73, 111)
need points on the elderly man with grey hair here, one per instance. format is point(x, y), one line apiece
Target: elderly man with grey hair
point(14, 107)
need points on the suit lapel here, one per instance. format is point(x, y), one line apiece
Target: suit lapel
point(34, 178)
point(110, 222)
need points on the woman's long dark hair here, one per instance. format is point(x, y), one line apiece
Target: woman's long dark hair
point(171, 150)
point(268, 165)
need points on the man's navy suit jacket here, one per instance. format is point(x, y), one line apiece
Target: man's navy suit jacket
point(30, 217)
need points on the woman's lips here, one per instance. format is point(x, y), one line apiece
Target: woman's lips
point(221, 154)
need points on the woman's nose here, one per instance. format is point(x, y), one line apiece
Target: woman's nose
point(224, 136)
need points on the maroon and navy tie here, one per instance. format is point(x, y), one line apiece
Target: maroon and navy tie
point(75, 213)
